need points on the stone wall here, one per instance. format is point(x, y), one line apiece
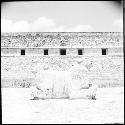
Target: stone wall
point(33, 51)
point(10, 52)
point(72, 51)
point(58, 39)
point(56, 51)
point(53, 51)
point(20, 70)
point(93, 51)
point(115, 51)
point(105, 71)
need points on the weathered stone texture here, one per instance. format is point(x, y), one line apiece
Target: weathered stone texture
point(103, 71)
point(32, 51)
point(115, 51)
point(10, 52)
point(53, 51)
point(92, 39)
point(92, 51)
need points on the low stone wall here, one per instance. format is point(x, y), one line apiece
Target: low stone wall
point(105, 71)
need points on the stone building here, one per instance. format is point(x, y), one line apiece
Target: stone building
point(32, 49)
point(103, 43)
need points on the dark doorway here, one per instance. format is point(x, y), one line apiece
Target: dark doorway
point(62, 51)
point(45, 51)
point(22, 52)
point(79, 51)
point(104, 51)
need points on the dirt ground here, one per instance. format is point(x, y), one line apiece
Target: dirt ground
point(17, 108)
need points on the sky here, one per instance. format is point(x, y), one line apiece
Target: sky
point(62, 16)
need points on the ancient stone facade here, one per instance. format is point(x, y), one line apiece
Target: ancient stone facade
point(35, 43)
point(24, 54)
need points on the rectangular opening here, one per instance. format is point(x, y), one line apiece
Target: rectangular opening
point(104, 51)
point(22, 52)
point(79, 51)
point(62, 51)
point(45, 51)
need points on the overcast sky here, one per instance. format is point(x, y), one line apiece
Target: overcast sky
point(62, 16)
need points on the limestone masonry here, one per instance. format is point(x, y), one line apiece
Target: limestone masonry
point(23, 55)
